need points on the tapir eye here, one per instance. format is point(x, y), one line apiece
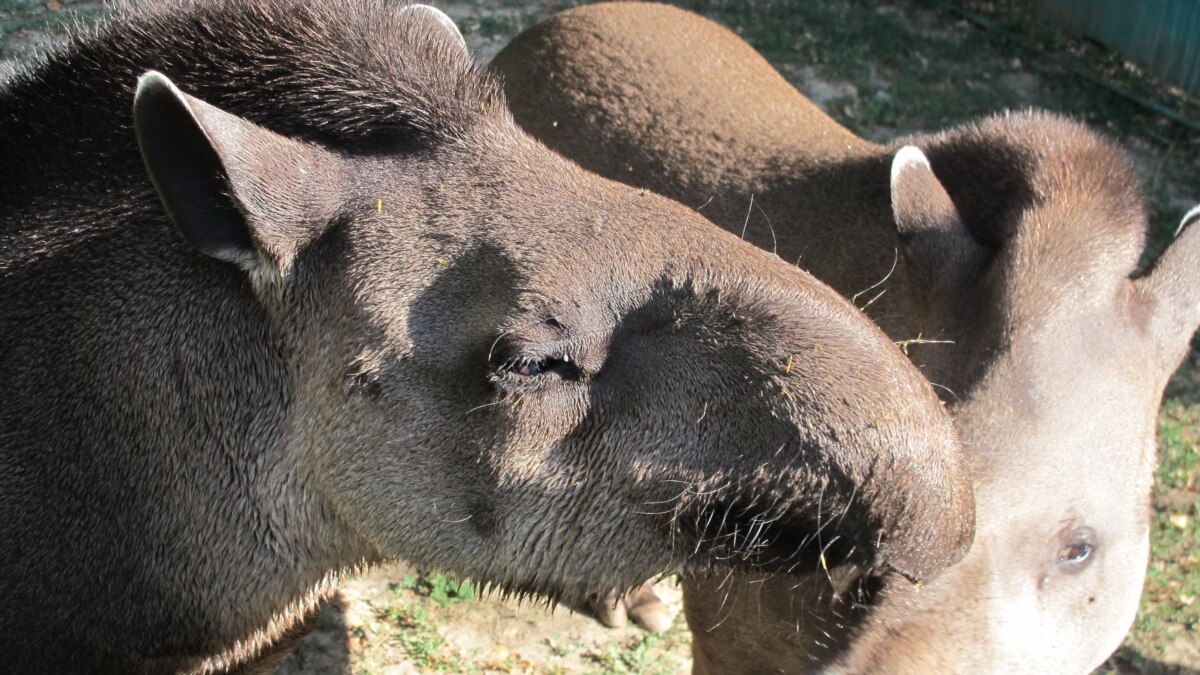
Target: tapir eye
point(1077, 550)
point(524, 366)
point(537, 354)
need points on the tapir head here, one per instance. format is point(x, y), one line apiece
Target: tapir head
point(501, 365)
point(1072, 351)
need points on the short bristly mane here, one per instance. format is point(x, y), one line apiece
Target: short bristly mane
point(359, 75)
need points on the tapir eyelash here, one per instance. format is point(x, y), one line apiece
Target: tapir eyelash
point(528, 367)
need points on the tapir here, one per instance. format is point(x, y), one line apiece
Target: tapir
point(285, 293)
point(1003, 254)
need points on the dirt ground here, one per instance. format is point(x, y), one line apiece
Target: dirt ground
point(379, 623)
point(394, 620)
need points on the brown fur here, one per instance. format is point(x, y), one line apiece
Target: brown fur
point(1014, 254)
point(280, 322)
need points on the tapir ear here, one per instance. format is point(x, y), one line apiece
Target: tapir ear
point(236, 191)
point(940, 254)
point(1173, 285)
point(436, 15)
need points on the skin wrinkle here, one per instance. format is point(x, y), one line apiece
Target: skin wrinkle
point(1002, 210)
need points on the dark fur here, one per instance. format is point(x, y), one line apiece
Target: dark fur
point(1015, 253)
point(192, 451)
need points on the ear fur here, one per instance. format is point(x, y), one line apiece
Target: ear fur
point(1173, 286)
point(940, 254)
point(236, 192)
point(441, 18)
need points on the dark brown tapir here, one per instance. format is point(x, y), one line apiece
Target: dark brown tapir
point(1002, 252)
point(284, 292)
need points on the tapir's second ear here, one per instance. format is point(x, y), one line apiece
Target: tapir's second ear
point(440, 18)
point(1172, 289)
point(237, 192)
point(940, 254)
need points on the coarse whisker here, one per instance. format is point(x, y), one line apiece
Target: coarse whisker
point(849, 503)
point(877, 284)
point(746, 509)
point(700, 540)
point(796, 551)
point(496, 342)
point(724, 601)
point(481, 407)
point(767, 521)
point(669, 500)
point(947, 389)
point(821, 526)
point(731, 554)
point(748, 212)
point(825, 564)
point(820, 504)
point(904, 344)
point(756, 529)
point(774, 241)
point(724, 518)
point(767, 577)
point(653, 513)
point(872, 300)
point(705, 493)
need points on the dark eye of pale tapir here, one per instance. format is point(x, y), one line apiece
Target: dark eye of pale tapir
point(1077, 550)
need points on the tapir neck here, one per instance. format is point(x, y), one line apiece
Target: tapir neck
point(162, 468)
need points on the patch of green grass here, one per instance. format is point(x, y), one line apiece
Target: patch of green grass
point(558, 648)
point(640, 656)
point(440, 588)
point(501, 26)
point(330, 618)
point(300, 655)
point(30, 16)
point(905, 75)
point(1171, 599)
point(419, 639)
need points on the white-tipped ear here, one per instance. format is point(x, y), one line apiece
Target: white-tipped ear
point(906, 157)
point(440, 17)
point(939, 252)
point(1188, 218)
point(1173, 285)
